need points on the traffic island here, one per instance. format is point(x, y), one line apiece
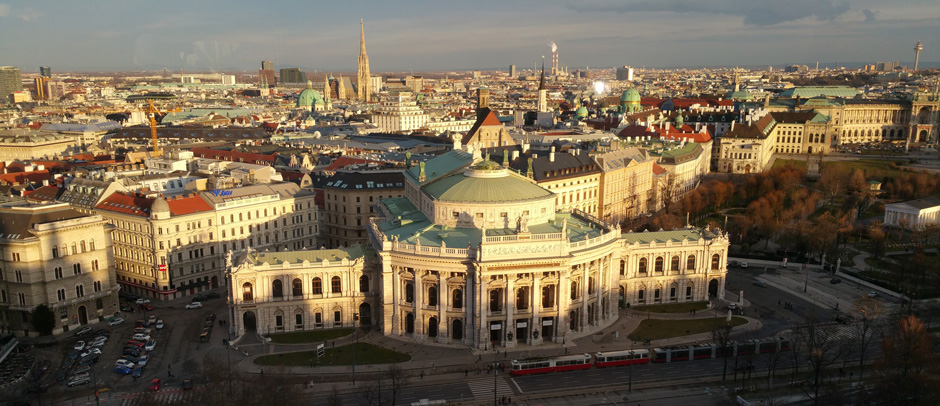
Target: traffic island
point(658, 329)
point(362, 353)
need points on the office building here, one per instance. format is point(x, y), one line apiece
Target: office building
point(10, 81)
point(45, 71)
point(293, 76)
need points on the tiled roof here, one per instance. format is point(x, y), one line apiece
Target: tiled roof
point(25, 177)
point(345, 161)
point(225, 134)
point(364, 180)
point(181, 205)
point(15, 224)
point(647, 237)
point(311, 256)
point(128, 204)
point(233, 156)
point(46, 194)
point(658, 170)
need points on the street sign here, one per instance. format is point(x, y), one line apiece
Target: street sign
point(320, 349)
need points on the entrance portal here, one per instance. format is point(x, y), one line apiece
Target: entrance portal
point(250, 322)
point(713, 288)
point(82, 315)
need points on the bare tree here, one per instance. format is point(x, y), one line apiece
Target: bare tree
point(398, 379)
point(908, 367)
point(721, 335)
point(823, 348)
point(867, 313)
point(772, 359)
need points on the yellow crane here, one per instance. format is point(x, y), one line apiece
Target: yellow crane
point(152, 114)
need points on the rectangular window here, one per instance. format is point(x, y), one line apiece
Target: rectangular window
point(336, 317)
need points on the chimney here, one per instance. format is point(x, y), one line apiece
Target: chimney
point(515, 155)
point(732, 125)
point(551, 155)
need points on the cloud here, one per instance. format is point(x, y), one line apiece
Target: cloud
point(869, 15)
point(28, 15)
point(4, 10)
point(755, 12)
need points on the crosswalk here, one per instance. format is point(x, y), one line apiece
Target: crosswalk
point(167, 398)
point(482, 388)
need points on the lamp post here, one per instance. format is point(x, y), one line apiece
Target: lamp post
point(355, 318)
point(495, 380)
point(630, 387)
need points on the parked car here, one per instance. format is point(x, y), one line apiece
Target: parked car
point(744, 264)
point(199, 298)
point(138, 371)
point(91, 351)
point(159, 324)
point(151, 345)
point(140, 324)
point(127, 308)
point(194, 305)
point(732, 306)
point(155, 385)
point(82, 369)
point(84, 331)
point(187, 384)
point(835, 281)
point(90, 360)
point(211, 317)
point(761, 284)
point(141, 337)
point(872, 294)
point(145, 307)
point(123, 363)
point(141, 330)
point(115, 321)
point(213, 295)
point(122, 369)
point(142, 301)
point(151, 320)
point(79, 380)
point(135, 343)
point(133, 352)
point(142, 361)
point(79, 345)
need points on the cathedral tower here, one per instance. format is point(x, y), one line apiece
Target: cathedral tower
point(365, 79)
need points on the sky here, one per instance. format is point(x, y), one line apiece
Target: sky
point(425, 35)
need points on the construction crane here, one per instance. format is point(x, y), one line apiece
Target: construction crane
point(152, 114)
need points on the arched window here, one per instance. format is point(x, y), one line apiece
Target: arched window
point(83, 246)
point(409, 293)
point(364, 284)
point(74, 248)
point(674, 264)
point(457, 302)
point(55, 252)
point(432, 296)
point(316, 287)
point(643, 262)
point(716, 261)
point(522, 298)
point(690, 263)
point(277, 288)
point(591, 285)
point(574, 290)
point(297, 287)
point(336, 285)
point(91, 245)
point(247, 293)
point(659, 264)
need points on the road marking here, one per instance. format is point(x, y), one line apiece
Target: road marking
point(483, 388)
point(516, 384)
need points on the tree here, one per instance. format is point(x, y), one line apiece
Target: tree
point(832, 182)
point(398, 379)
point(877, 245)
point(867, 313)
point(43, 320)
point(721, 335)
point(908, 366)
point(823, 349)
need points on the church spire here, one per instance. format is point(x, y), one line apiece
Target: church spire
point(365, 78)
point(542, 80)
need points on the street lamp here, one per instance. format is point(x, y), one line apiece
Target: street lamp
point(355, 318)
point(495, 380)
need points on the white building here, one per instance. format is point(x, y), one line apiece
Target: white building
point(913, 213)
point(399, 113)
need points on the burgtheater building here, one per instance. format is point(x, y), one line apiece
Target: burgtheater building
point(475, 254)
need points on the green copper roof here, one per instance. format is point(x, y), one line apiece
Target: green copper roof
point(312, 256)
point(509, 188)
point(646, 237)
point(819, 118)
point(581, 112)
point(441, 165)
point(630, 95)
point(819, 101)
point(806, 92)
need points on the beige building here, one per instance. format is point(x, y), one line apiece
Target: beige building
point(287, 291)
point(349, 199)
point(172, 247)
point(58, 257)
point(626, 184)
point(399, 113)
point(24, 145)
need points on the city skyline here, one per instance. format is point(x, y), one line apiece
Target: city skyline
point(424, 35)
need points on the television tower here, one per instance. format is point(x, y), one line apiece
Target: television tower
point(917, 49)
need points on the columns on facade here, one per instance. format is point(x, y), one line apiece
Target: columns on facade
point(536, 323)
point(510, 323)
point(391, 282)
point(563, 294)
point(582, 319)
point(443, 301)
point(418, 304)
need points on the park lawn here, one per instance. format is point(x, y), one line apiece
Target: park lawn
point(933, 260)
point(673, 307)
point(879, 263)
point(365, 354)
point(311, 336)
point(873, 168)
point(656, 329)
point(797, 163)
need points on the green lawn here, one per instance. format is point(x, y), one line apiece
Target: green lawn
point(365, 354)
point(872, 168)
point(797, 163)
point(673, 307)
point(310, 336)
point(656, 329)
point(879, 263)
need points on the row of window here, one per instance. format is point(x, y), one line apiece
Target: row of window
point(674, 264)
point(297, 290)
point(74, 249)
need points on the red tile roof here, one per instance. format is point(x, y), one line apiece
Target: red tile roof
point(181, 205)
point(658, 170)
point(25, 177)
point(233, 156)
point(45, 194)
point(345, 161)
point(127, 204)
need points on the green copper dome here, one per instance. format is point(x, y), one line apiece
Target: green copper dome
point(630, 95)
point(581, 112)
point(309, 96)
point(486, 182)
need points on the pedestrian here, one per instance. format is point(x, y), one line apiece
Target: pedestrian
point(693, 312)
point(422, 374)
point(480, 358)
point(778, 302)
point(466, 372)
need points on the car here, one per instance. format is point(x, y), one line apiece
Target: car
point(141, 330)
point(80, 345)
point(103, 333)
point(194, 305)
point(761, 284)
point(133, 352)
point(208, 323)
point(743, 264)
point(123, 370)
point(734, 263)
point(102, 337)
point(115, 321)
point(872, 294)
point(151, 345)
point(145, 307)
point(91, 351)
point(155, 385)
point(79, 380)
point(84, 331)
point(138, 371)
point(142, 301)
point(130, 358)
point(159, 324)
point(127, 308)
point(732, 306)
point(81, 370)
point(140, 324)
point(91, 360)
point(835, 281)
point(141, 337)
point(199, 298)
point(151, 320)
point(142, 361)
point(123, 363)
point(135, 343)
point(213, 295)
point(841, 319)
point(187, 384)
point(74, 354)
point(210, 317)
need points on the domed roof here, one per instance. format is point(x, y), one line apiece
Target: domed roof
point(630, 95)
point(309, 96)
point(160, 206)
point(581, 112)
point(486, 182)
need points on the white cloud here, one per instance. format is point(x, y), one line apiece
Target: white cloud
point(28, 15)
point(4, 10)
